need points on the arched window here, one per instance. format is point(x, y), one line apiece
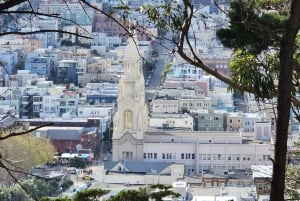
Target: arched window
point(128, 119)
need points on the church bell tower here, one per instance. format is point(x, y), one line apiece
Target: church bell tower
point(131, 118)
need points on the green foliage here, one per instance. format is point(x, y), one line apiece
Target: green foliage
point(77, 162)
point(56, 199)
point(292, 182)
point(39, 187)
point(89, 195)
point(156, 192)
point(166, 71)
point(256, 72)
point(160, 191)
point(131, 195)
point(66, 185)
point(250, 23)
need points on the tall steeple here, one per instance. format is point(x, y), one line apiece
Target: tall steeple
point(131, 118)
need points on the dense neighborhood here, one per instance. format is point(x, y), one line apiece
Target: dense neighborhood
point(136, 111)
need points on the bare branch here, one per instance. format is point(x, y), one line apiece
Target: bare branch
point(10, 3)
point(24, 132)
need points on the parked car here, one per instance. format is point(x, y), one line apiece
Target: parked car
point(87, 177)
point(126, 183)
point(88, 184)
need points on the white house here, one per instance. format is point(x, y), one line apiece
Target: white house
point(171, 121)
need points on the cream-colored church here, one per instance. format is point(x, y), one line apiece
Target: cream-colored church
point(131, 119)
point(198, 151)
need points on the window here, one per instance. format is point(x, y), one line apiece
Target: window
point(193, 156)
point(260, 187)
point(155, 155)
point(145, 155)
point(229, 158)
point(163, 155)
point(182, 156)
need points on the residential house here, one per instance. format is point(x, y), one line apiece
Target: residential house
point(166, 104)
point(50, 106)
point(40, 65)
point(30, 104)
point(262, 176)
point(234, 121)
point(210, 119)
point(68, 102)
point(171, 121)
point(66, 71)
point(104, 39)
point(249, 121)
point(188, 104)
point(20, 79)
point(185, 70)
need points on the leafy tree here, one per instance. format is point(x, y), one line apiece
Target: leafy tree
point(37, 151)
point(131, 195)
point(90, 195)
point(56, 199)
point(39, 187)
point(275, 24)
point(159, 191)
point(77, 162)
point(156, 192)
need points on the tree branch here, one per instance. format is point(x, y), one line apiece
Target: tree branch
point(24, 132)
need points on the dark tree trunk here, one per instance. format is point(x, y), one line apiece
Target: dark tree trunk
point(284, 102)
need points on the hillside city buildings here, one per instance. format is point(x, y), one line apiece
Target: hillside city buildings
point(187, 124)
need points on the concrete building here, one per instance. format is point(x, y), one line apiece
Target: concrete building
point(210, 119)
point(205, 150)
point(171, 121)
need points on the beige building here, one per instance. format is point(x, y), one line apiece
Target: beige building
point(234, 121)
point(171, 121)
point(131, 119)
